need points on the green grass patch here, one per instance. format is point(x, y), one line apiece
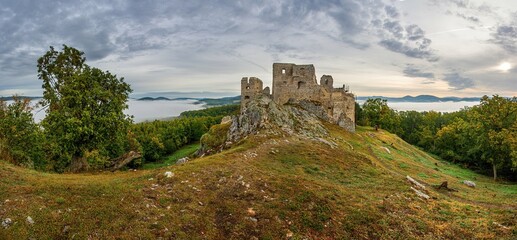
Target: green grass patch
point(60, 200)
point(185, 151)
point(423, 175)
point(403, 166)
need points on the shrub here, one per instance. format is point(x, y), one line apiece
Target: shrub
point(21, 139)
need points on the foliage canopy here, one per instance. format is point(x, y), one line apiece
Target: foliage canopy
point(85, 124)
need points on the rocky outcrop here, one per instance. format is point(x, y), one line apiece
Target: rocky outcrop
point(262, 115)
point(265, 116)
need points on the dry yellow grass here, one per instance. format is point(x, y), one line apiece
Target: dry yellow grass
point(295, 188)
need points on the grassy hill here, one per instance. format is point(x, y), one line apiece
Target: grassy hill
point(266, 187)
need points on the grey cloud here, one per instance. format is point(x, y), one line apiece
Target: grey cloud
point(412, 71)
point(461, 3)
point(420, 49)
point(468, 10)
point(506, 37)
point(414, 32)
point(409, 40)
point(469, 18)
point(394, 28)
point(279, 48)
point(458, 82)
point(391, 11)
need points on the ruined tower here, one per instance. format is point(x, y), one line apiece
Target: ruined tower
point(250, 89)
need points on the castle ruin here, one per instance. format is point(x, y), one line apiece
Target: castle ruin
point(296, 84)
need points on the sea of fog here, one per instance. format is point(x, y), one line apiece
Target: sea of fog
point(430, 106)
point(146, 110)
point(152, 110)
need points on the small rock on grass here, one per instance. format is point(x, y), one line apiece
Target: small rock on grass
point(469, 183)
point(251, 212)
point(168, 174)
point(182, 160)
point(289, 234)
point(29, 220)
point(7, 222)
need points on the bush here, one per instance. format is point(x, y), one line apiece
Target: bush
point(215, 137)
point(21, 139)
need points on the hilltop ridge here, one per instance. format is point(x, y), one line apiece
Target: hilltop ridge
point(291, 176)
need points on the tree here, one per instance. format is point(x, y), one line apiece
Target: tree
point(454, 142)
point(494, 119)
point(410, 123)
point(85, 123)
point(20, 137)
point(359, 119)
point(376, 113)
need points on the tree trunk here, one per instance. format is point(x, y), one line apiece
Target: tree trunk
point(495, 171)
point(124, 160)
point(78, 164)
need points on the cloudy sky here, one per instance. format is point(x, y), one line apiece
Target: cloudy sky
point(377, 47)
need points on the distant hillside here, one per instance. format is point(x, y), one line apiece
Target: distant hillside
point(154, 99)
point(423, 98)
point(204, 101)
point(236, 99)
point(219, 101)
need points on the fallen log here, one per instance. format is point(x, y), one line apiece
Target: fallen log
point(123, 160)
point(420, 194)
point(414, 182)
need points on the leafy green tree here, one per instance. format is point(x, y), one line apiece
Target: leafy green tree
point(225, 110)
point(494, 120)
point(410, 124)
point(454, 143)
point(21, 139)
point(85, 110)
point(377, 114)
point(359, 119)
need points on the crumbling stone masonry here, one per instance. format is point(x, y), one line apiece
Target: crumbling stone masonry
point(297, 84)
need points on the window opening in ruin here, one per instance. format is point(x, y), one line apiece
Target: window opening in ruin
point(301, 84)
point(283, 70)
point(246, 97)
point(247, 87)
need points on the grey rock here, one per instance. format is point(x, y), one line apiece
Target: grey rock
point(7, 222)
point(182, 160)
point(226, 119)
point(264, 115)
point(469, 183)
point(30, 220)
